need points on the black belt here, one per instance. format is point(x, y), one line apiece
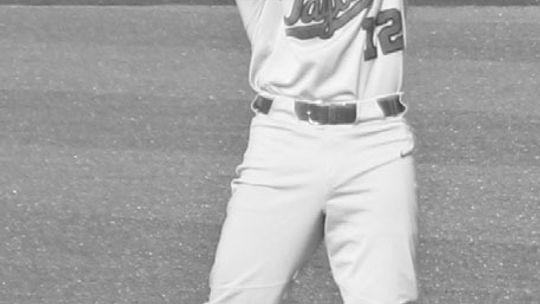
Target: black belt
point(332, 114)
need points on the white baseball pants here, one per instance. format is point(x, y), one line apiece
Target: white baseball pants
point(350, 186)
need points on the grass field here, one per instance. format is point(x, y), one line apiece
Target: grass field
point(231, 2)
point(120, 129)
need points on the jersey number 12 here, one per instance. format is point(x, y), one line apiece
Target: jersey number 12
point(390, 35)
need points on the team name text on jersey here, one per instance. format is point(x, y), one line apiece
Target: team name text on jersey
point(322, 18)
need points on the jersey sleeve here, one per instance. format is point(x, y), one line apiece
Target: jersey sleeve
point(250, 11)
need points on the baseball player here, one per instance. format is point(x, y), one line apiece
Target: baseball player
point(328, 159)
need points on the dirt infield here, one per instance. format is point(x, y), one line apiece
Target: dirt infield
point(231, 2)
point(120, 129)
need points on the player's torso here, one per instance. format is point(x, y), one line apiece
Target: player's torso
point(325, 50)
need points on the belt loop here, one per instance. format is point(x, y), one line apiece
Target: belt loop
point(252, 104)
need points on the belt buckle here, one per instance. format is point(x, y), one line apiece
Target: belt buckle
point(327, 114)
point(310, 112)
point(310, 119)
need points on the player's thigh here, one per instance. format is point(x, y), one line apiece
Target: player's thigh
point(371, 236)
point(274, 217)
point(265, 243)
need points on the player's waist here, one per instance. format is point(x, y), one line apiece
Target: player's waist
point(335, 113)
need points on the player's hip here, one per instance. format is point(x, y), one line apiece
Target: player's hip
point(283, 144)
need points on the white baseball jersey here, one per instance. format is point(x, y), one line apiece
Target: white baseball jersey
point(325, 50)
